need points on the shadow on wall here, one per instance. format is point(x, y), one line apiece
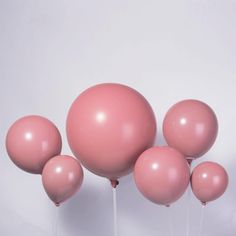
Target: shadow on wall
point(88, 213)
point(150, 219)
point(227, 216)
point(137, 213)
point(222, 217)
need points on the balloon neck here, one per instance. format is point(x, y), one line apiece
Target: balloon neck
point(203, 203)
point(57, 204)
point(114, 183)
point(168, 205)
point(189, 160)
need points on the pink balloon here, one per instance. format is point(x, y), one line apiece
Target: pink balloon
point(31, 141)
point(209, 181)
point(191, 127)
point(62, 176)
point(108, 127)
point(162, 175)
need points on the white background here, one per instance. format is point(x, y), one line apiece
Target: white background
point(169, 50)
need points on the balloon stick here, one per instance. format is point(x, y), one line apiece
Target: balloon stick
point(188, 211)
point(55, 223)
point(201, 220)
point(189, 160)
point(171, 231)
point(115, 212)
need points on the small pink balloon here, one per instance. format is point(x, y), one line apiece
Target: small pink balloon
point(108, 127)
point(209, 181)
point(31, 141)
point(62, 177)
point(162, 175)
point(191, 127)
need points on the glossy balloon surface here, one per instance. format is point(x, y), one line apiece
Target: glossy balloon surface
point(209, 181)
point(162, 175)
point(108, 127)
point(191, 127)
point(31, 141)
point(62, 177)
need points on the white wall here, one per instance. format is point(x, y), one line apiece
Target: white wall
point(51, 50)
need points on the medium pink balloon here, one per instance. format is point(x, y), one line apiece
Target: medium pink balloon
point(108, 127)
point(209, 181)
point(31, 141)
point(191, 127)
point(62, 176)
point(162, 175)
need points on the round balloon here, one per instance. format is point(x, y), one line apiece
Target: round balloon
point(31, 141)
point(62, 176)
point(108, 127)
point(191, 127)
point(209, 181)
point(162, 175)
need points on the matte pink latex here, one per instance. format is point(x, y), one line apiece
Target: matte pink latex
point(191, 127)
point(162, 175)
point(108, 127)
point(31, 141)
point(209, 181)
point(62, 176)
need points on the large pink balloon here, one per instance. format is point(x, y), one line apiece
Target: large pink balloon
point(31, 141)
point(162, 175)
point(62, 176)
point(108, 127)
point(191, 127)
point(209, 181)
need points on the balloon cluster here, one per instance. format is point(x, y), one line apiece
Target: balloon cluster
point(34, 145)
point(111, 129)
point(161, 173)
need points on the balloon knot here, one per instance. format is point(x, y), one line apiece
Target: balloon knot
point(57, 204)
point(204, 203)
point(114, 182)
point(168, 205)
